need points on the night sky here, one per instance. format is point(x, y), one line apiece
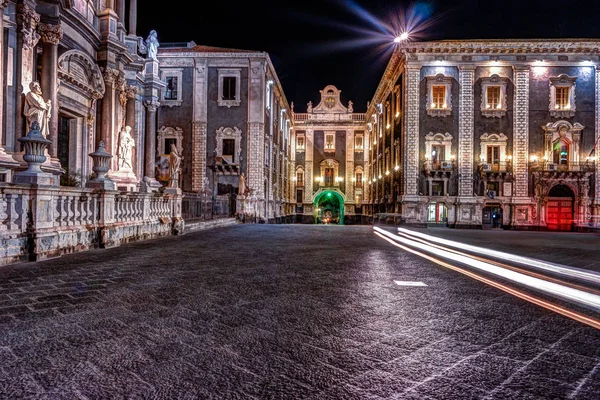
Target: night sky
point(347, 43)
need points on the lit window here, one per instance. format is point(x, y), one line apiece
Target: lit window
point(562, 96)
point(493, 96)
point(330, 142)
point(439, 96)
point(300, 142)
point(300, 177)
point(358, 142)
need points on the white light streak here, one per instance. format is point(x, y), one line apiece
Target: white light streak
point(551, 288)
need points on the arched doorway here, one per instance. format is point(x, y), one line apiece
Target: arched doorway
point(559, 210)
point(329, 208)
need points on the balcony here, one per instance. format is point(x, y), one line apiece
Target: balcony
point(439, 168)
point(502, 167)
point(550, 167)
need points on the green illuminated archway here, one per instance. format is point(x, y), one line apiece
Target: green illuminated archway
point(329, 204)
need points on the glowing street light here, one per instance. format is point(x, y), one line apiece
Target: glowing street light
point(403, 36)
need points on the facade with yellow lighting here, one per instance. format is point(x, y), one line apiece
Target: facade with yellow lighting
point(487, 133)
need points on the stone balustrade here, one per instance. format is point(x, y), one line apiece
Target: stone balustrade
point(39, 221)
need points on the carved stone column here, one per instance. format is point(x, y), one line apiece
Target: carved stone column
point(466, 78)
point(27, 39)
point(521, 130)
point(121, 86)
point(108, 121)
point(51, 35)
point(121, 11)
point(349, 183)
point(3, 5)
point(150, 156)
point(132, 17)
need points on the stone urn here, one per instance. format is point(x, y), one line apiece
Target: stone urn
point(101, 159)
point(35, 148)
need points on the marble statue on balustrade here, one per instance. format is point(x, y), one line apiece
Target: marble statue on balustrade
point(350, 107)
point(309, 107)
point(37, 109)
point(175, 159)
point(152, 45)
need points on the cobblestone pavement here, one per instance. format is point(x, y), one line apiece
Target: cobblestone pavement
point(278, 312)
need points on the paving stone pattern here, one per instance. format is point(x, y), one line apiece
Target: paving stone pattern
point(278, 312)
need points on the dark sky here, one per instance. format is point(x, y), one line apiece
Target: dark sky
point(346, 43)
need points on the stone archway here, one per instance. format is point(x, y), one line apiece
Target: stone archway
point(329, 207)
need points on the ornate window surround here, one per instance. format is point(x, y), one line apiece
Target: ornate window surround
point(443, 139)
point(300, 147)
point(562, 130)
point(229, 133)
point(299, 171)
point(331, 149)
point(359, 147)
point(329, 163)
point(269, 95)
point(178, 73)
point(492, 81)
point(562, 80)
point(439, 80)
point(168, 132)
point(493, 139)
point(226, 72)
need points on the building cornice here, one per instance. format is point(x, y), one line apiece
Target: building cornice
point(503, 46)
point(384, 84)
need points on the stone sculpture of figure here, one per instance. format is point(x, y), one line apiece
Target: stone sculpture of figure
point(174, 166)
point(126, 145)
point(36, 108)
point(152, 44)
point(350, 107)
point(242, 187)
point(309, 107)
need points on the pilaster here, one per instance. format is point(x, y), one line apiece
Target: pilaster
point(256, 157)
point(411, 127)
point(349, 183)
point(198, 156)
point(51, 36)
point(466, 78)
point(521, 130)
point(309, 180)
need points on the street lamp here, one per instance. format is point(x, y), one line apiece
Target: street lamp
point(401, 38)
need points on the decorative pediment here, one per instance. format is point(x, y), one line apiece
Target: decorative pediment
point(78, 69)
point(330, 102)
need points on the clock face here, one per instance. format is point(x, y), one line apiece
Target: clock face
point(329, 102)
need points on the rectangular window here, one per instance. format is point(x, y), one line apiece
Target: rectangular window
point(562, 98)
point(299, 196)
point(329, 176)
point(437, 188)
point(358, 142)
point(300, 143)
point(359, 178)
point(229, 83)
point(438, 94)
point(493, 97)
point(330, 141)
point(493, 155)
point(229, 150)
point(171, 88)
point(300, 178)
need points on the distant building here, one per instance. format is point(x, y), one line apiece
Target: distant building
point(329, 162)
point(227, 111)
point(487, 133)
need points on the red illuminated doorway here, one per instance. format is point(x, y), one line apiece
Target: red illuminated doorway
point(559, 215)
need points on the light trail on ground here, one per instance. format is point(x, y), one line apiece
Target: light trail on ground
point(571, 294)
point(572, 272)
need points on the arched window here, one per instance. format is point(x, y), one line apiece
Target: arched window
point(561, 151)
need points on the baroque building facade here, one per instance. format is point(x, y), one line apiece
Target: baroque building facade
point(226, 110)
point(487, 133)
point(328, 161)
